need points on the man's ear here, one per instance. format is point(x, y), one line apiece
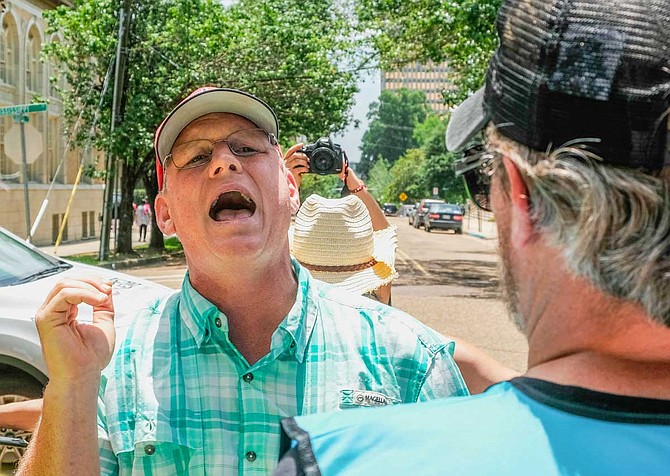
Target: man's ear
point(294, 191)
point(522, 227)
point(163, 217)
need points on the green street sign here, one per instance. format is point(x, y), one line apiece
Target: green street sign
point(21, 109)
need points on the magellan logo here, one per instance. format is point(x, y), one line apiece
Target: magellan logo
point(363, 398)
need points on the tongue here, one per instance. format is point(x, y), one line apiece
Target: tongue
point(230, 214)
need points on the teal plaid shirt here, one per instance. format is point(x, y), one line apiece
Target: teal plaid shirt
point(178, 398)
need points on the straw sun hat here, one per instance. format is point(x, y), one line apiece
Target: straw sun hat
point(334, 240)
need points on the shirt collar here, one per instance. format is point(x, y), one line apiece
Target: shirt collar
point(198, 313)
point(300, 320)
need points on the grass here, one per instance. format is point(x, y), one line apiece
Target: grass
point(173, 249)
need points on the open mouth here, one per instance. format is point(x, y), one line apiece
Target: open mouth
point(230, 205)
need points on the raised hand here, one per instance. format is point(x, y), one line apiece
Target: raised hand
point(297, 162)
point(74, 351)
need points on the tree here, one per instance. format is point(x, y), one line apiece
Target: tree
point(439, 168)
point(165, 58)
point(428, 166)
point(392, 122)
point(461, 32)
point(328, 186)
point(284, 51)
point(379, 179)
point(407, 176)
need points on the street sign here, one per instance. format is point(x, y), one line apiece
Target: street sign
point(436, 191)
point(13, 146)
point(16, 147)
point(402, 196)
point(21, 109)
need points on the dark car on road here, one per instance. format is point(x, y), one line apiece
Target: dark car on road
point(422, 209)
point(390, 209)
point(444, 216)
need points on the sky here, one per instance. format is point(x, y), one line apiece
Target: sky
point(350, 139)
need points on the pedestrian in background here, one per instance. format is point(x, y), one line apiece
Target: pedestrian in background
point(334, 239)
point(298, 163)
point(143, 218)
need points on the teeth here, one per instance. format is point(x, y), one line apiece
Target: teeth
point(245, 197)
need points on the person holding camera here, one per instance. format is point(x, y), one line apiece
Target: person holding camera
point(326, 158)
point(479, 369)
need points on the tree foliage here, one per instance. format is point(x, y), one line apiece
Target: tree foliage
point(392, 122)
point(428, 166)
point(328, 186)
point(461, 32)
point(379, 179)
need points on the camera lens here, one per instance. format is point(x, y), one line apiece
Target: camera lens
point(323, 161)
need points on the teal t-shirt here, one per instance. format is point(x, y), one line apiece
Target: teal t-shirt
point(525, 427)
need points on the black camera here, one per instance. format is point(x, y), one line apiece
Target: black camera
point(325, 158)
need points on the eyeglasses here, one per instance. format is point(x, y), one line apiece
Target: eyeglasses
point(477, 167)
point(197, 153)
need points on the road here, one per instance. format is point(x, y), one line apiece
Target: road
point(448, 281)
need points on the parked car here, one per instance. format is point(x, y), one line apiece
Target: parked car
point(26, 276)
point(444, 216)
point(390, 209)
point(422, 209)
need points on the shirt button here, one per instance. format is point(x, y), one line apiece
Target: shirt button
point(217, 321)
point(251, 456)
point(248, 378)
point(149, 449)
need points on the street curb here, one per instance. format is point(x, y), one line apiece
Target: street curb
point(137, 262)
point(480, 235)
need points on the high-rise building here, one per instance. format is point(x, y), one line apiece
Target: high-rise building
point(430, 78)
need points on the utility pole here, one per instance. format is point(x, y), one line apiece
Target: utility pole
point(119, 77)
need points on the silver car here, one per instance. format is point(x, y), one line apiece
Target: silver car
point(26, 276)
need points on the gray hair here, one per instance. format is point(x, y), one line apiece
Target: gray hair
point(612, 223)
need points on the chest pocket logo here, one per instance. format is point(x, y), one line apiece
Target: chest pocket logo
point(364, 398)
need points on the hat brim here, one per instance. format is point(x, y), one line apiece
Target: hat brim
point(359, 282)
point(466, 121)
point(367, 280)
point(210, 101)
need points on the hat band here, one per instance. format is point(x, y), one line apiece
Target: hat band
point(340, 269)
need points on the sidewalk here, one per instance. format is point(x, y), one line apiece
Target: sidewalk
point(84, 246)
point(93, 246)
point(480, 225)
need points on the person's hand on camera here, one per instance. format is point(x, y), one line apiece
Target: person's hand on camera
point(297, 162)
point(75, 351)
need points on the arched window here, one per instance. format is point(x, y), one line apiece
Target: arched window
point(33, 64)
point(3, 57)
point(9, 57)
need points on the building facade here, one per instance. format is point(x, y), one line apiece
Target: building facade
point(430, 78)
point(52, 166)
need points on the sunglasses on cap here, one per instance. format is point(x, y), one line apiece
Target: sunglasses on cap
point(199, 152)
point(477, 167)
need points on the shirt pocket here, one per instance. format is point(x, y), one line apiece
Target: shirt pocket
point(160, 457)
